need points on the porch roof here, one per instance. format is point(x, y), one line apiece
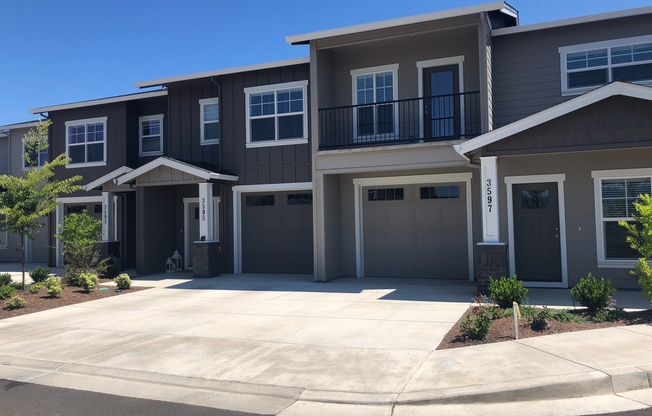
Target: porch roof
point(584, 100)
point(174, 164)
point(106, 178)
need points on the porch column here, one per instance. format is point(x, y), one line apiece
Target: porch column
point(108, 217)
point(206, 211)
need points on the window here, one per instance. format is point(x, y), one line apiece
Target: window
point(86, 142)
point(75, 209)
point(37, 157)
point(591, 65)
point(260, 200)
point(277, 114)
point(299, 199)
point(372, 86)
point(151, 135)
point(391, 194)
point(615, 195)
point(440, 192)
point(210, 121)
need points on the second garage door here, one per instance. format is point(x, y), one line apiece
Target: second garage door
point(416, 231)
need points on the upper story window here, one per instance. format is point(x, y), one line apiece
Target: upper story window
point(34, 156)
point(150, 135)
point(277, 114)
point(371, 88)
point(585, 67)
point(210, 120)
point(86, 142)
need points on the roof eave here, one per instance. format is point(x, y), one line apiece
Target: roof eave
point(100, 101)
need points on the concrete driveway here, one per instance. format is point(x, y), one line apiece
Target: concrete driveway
point(246, 342)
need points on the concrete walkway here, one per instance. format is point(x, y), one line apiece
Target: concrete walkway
point(285, 345)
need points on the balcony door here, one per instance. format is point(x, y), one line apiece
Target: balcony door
point(441, 103)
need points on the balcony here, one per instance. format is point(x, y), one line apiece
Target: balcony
point(428, 119)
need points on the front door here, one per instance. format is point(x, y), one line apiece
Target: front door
point(537, 248)
point(441, 108)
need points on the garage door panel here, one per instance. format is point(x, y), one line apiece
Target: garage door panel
point(456, 266)
point(429, 241)
point(399, 216)
point(428, 216)
point(376, 240)
point(402, 241)
point(453, 214)
point(390, 265)
point(376, 216)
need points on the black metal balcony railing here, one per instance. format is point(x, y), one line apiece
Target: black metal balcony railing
point(442, 117)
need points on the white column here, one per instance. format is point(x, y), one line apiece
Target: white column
point(489, 175)
point(108, 217)
point(206, 211)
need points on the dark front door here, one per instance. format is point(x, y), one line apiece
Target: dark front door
point(441, 108)
point(537, 246)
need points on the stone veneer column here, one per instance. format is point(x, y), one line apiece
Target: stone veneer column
point(491, 260)
point(206, 259)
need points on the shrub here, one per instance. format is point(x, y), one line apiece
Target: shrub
point(506, 290)
point(54, 286)
point(72, 278)
point(477, 326)
point(565, 316)
point(16, 285)
point(89, 281)
point(15, 302)
point(539, 321)
point(39, 274)
point(123, 281)
point(608, 315)
point(6, 291)
point(640, 239)
point(592, 293)
point(112, 270)
point(34, 288)
point(81, 235)
point(5, 279)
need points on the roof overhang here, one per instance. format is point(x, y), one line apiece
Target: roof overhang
point(609, 90)
point(109, 100)
point(385, 24)
point(24, 125)
point(106, 178)
point(207, 74)
point(184, 167)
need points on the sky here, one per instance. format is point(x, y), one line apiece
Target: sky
point(58, 52)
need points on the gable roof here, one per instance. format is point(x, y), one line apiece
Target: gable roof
point(402, 21)
point(185, 167)
point(584, 100)
point(106, 178)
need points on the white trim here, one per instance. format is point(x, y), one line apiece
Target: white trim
point(237, 211)
point(106, 178)
point(109, 100)
point(186, 226)
point(359, 183)
point(86, 122)
point(59, 213)
point(608, 44)
point(433, 63)
point(158, 117)
point(27, 124)
point(490, 200)
point(275, 88)
point(559, 179)
point(174, 164)
point(202, 122)
point(393, 68)
point(609, 90)
point(598, 176)
point(208, 74)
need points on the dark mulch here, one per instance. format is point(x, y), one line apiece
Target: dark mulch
point(502, 329)
point(70, 296)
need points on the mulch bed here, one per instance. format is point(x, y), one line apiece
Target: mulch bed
point(70, 296)
point(502, 329)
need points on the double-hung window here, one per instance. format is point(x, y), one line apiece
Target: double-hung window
point(591, 65)
point(35, 153)
point(277, 114)
point(615, 193)
point(374, 90)
point(210, 120)
point(86, 142)
point(151, 135)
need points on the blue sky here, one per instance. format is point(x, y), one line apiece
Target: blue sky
point(56, 52)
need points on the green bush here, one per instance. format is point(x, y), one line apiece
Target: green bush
point(5, 279)
point(112, 270)
point(565, 316)
point(72, 278)
point(506, 290)
point(477, 326)
point(15, 302)
point(608, 315)
point(6, 291)
point(39, 274)
point(123, 281)
point(34, 288)
point(640, 239)
point(16, 285)
point(54, 286)
point(89, 281)
point(592, 293)
point(539, 321)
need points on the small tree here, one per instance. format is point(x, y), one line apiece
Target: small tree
point(25, 199)
point(640, 239)
point(81, 235)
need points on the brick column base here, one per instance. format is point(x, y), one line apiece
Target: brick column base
point(491, 260)
point(206, 259)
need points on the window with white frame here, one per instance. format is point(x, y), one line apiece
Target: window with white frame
point(35, 153)
point(277, 114)
point(210, 120)
point(616, 192)
point(371, 88)
point(151, 135)
point(591, 65)
point(86, 142)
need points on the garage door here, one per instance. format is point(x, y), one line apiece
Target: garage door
point(416, 231)
point(277, 232)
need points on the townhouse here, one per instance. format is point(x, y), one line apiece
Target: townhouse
point(457, 144)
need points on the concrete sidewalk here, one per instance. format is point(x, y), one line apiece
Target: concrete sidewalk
point(286, 345)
